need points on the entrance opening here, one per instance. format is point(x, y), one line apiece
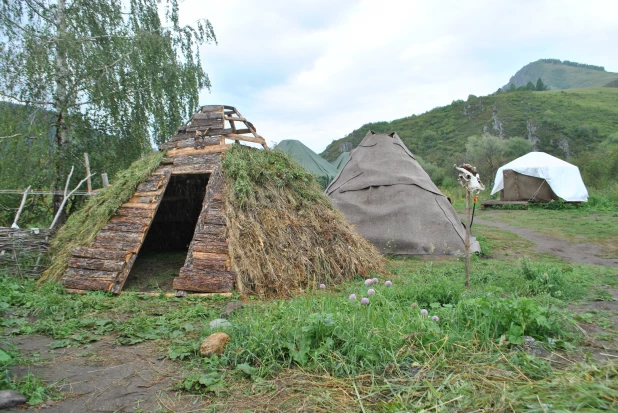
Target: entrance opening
point(165, 248)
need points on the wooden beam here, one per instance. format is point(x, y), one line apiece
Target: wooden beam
point(138, 205)
point(191, 151)
point(237, 137)
point(235, 119)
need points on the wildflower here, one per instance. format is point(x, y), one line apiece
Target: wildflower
point(374, 280)
point(371, 292)
point(322, 286)
point(424, 312)
point(414, 306)
point(364, 301)
point(368, 282)
point(388, 283)
point(435, 318)
point(352, 297)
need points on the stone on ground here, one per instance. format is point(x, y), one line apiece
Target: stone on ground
point(10, 398)
point(219, 322)
point(214, 344)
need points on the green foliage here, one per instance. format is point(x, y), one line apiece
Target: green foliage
point(83, 226)
point(558, 74)
point(545, 279)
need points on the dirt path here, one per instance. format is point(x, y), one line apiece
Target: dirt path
point(585, 253)
point(102, 377)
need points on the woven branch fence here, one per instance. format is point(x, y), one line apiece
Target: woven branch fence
point(23, 252)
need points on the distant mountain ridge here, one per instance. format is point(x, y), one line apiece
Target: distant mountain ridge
point(558, 74)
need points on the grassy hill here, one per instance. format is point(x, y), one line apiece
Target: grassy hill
point(557, 74)
point(563, 123)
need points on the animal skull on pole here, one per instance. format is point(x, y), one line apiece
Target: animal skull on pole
point(469, 178)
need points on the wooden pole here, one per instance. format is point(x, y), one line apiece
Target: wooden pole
point(467, 237)
point(21, 207)
point(87, 163)
point(67, 196)
point(105, 180)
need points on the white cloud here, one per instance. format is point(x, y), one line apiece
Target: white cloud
point(316, 70)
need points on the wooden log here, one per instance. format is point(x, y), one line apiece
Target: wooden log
point(124, 227)
point(207, 115)
point(96, 264)
point(192, 169)
point(191, 151)
point(205, 282)
point(238, 119)
point(167, 161)
point(123, 275)
point(211, 159)
point(152, 183)
point(209, 265)
point(212, 108)
point(210, 247)
point(105, 180)
point(216, 230)
point(166, 295)
point(142, 200)
point(126, 237)
point(92, 284)
point(216, 219)
point(163, 170)
point(103, 254)
point(137, 205)
point(204, 124)
point(134, 213)
point(201, 141)
point(126, 247)
point(238, 137)
point(149, 193)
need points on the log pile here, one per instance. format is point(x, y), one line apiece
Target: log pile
point(23, 252)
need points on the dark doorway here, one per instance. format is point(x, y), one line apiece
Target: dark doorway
point(165, 248)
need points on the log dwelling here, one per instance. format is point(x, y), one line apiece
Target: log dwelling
point(179, 207)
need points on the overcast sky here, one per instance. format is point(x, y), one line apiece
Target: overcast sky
point(316, 70)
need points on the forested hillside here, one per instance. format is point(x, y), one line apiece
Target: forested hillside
point(570, 123)
point(557, 74)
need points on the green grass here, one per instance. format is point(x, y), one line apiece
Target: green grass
point(324, 352)
point(561, 76)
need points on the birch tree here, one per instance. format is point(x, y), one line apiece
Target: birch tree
point(126, 68)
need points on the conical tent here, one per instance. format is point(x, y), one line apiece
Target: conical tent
point(340, 162)
point(308, 159)
point(385, 193)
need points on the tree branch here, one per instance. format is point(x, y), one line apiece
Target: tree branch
point(67, 196)
point(28, 102)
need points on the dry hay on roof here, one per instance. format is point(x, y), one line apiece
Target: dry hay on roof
point(284, 234)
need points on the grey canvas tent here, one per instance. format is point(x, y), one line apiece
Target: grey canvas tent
point(391, 200)
point(308, 159)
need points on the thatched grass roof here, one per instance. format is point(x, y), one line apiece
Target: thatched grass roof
point(284, 234)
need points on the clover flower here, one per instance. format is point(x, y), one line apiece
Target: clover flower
point(374, 280)
point(424, 312)
point(388, 283)
point(414, 306)
point(371, 292)
point(352, 297)
point(435, 318)
point(322, 286)
point(364, 301)
point(368, 282)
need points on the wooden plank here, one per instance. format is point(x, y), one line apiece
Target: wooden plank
point(201, 141)
point(216, 219)
point(150, 193)
point(124, 274)
point(127, 237)
point(133, 213)
point(209, 265)
point(87, 252)
point(239, 119)
point(96, 264)
point(207, 130)
point(207, 159)
point(205, 124)
point(216, 230)
point(91, 284)
point(207, 115)
point(210, 247)
point(126, 247)
point(238, 137)
point(191, 151)
point(222, 282)
point(153, 183)
point(142, 200)
point(192, 169)
point(124, 227)
point(212, 108)
point(163, 170)
point(137, 205)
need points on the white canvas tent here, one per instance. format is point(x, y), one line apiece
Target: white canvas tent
point(563, 178)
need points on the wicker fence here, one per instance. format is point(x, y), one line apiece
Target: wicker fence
point(23, 252)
